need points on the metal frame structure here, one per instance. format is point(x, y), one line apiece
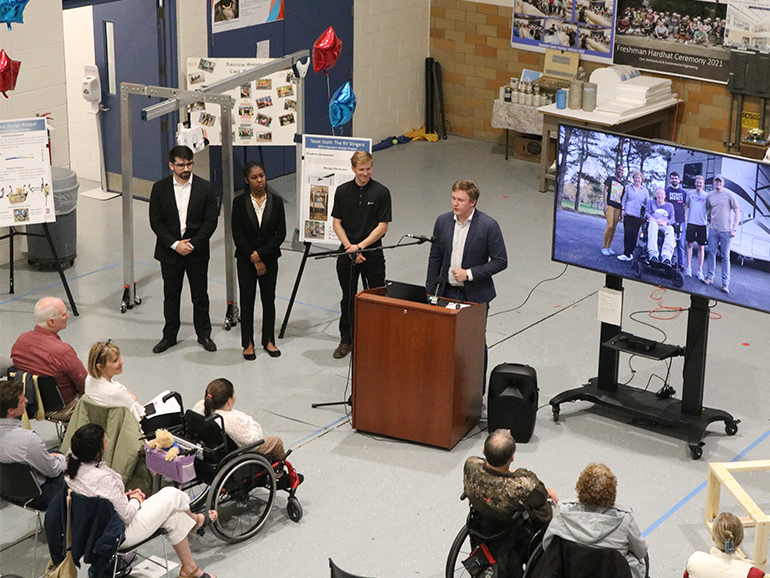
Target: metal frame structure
point(177, 99)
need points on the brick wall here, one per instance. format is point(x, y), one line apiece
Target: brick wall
point(391, 45)
point(472, 42)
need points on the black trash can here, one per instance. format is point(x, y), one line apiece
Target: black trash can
point(64, 232)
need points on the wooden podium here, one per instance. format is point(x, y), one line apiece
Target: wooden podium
point(417, 369)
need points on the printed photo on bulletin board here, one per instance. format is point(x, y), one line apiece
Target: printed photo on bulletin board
point(679, 37)
point(581, 26)
point(233, 14)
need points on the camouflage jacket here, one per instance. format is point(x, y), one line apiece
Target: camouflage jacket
point(501, 495)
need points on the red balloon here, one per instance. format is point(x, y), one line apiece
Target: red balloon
point(326, 50)
point(9, 72)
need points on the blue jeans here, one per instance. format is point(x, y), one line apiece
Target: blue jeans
point(719, 239)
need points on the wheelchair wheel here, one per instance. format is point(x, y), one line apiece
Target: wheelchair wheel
point(638, 268)
point(294, 509)
point(677, 278)
point(242, 493)
point(460, 550)
point(198, 492)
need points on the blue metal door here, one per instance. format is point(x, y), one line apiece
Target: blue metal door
point(304, 21)
point(135, 42)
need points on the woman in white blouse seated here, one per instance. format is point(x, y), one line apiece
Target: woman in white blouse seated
point(724, 560)
point(169, 509)
point(104, 363)
point(242, 429)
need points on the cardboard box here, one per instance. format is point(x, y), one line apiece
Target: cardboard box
point(527, 148)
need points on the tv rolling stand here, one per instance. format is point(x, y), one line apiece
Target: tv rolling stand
point(686, 415)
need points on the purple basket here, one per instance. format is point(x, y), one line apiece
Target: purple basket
point(181, 469)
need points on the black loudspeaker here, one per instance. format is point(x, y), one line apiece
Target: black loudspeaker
point(513, 397)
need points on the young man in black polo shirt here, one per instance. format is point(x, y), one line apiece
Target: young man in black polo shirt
point(361, 215)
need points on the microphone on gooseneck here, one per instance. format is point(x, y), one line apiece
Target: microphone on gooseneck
point(422, 238)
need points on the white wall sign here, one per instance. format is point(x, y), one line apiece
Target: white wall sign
point(325, 166)
point(233, 14)
point(25, 173)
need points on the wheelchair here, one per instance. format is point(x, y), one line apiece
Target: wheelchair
point(514, 543)
point(238, 483)
point(640, 259)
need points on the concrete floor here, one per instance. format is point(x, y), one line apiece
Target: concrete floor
point(382, 507)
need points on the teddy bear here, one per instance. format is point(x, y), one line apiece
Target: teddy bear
point(165, 441)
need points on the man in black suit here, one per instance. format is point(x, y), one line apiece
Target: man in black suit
point(183, 215)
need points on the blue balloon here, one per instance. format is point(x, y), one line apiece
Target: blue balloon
point(342, 105)
point(11, 11)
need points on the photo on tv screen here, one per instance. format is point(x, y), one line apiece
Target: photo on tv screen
point(665, 201)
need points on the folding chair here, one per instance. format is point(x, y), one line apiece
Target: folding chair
point(19, 487)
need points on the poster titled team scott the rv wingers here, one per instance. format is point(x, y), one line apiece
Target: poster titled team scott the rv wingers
point(679, 37)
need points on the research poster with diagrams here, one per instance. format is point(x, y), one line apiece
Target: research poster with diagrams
point(265, 110)
point(582, 26)
point(25, 173)
point(325, 166)
point(234, 14)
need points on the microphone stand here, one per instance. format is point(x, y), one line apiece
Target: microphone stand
point(337, 253)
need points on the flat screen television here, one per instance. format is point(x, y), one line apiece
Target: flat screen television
point(587, 157)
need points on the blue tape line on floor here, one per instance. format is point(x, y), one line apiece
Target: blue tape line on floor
point(58, 283)
point(700, 488)
point(344, 417)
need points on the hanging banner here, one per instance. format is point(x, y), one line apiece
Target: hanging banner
point(583, 27)
point(325, 166)
point(234, 14)
point(265, 111)
point(25, 173)
point(684, 39)
point(747, 24)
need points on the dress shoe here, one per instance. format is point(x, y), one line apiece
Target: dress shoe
point(249, 356)
point(275, 353)
point(207, 344)
point(342, 350)
point(163, 345)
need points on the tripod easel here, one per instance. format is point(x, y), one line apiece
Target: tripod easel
point(47, 234)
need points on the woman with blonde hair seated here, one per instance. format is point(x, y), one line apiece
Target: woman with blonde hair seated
point(596, 521)
point(723, 561)
point(104, 363)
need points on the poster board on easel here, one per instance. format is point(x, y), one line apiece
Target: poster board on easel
point(25, 173)
point(325, 166)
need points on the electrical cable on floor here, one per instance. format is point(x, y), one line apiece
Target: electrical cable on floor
point(531, 325)
point(530, 293)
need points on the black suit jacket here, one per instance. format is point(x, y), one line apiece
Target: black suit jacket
point(249, 236)
point(202, 215)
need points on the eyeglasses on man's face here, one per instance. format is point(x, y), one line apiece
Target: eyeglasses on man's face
point(187, 165)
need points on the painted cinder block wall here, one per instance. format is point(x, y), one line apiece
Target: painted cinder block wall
point(471, 40)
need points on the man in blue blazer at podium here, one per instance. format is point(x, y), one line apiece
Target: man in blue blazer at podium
point(468, 248)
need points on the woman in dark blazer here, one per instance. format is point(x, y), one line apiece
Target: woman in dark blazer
point(259, 228)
